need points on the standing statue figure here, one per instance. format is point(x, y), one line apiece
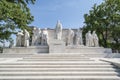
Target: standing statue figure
point(95, 39)
point(38, 34)
point(34, 37)
point(70, 37)
point(44, 37)
point(19, 39)
point(26, 38)
point(89, 39)
point(58, 30)
point(11, 43)
point(78, 37)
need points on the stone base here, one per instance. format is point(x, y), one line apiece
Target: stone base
point(26, 50)
point(85, 49)
point(57, 46)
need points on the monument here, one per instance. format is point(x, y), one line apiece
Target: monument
point(58, 40)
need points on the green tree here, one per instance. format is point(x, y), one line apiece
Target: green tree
point(105, 19)
point(14, 14)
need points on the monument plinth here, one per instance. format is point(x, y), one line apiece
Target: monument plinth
point(56, 46)
point(26, 50)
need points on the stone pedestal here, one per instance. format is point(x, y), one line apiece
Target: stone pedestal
point(26, 50)
point(56, 46)
point(85, 49)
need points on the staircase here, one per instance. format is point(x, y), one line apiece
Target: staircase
point(58, 67)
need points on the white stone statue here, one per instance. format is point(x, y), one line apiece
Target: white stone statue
point(26, 38)
point(78, 37)
point(95, 39)
point(34, 37)
point(58, 30)
point(11, 43)
point(44, 37)
point(70, 37)
point(89, 39)
point(19, 39)
point(38, 34)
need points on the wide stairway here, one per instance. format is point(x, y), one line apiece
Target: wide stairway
point(57, 67)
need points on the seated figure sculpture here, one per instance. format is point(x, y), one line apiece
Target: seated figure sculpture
point(44, 40)
point(95, 39)
point(70, 36)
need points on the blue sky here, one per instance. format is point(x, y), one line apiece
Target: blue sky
point(69, 12)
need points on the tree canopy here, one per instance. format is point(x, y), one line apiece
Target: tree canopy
point(105, 19)
point(14, 14)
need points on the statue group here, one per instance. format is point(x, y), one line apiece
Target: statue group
point(22, 38)
point(91, 39)
point(41, 37)
point(38, 38)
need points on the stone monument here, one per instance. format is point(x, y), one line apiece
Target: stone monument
point(56, 40)
point(57, 45)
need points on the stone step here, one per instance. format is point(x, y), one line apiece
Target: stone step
point(52, 61)
point(60, 69)
point(56, 55)
point(56, 63)
point(61, 73)
point(14, 55)
point(56, 66)
point(57, 70)
point(69, 77)
point(55, 60)
point(19, 61)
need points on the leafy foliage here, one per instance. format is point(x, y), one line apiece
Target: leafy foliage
point(14, 14)
point(105, 19)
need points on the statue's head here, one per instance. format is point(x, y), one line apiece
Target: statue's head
point(21, 31)
point(78, 30)
point(34, 28)
point(58, 21)
point(69, 29)
point(45, 29)
point(39, 29)
point(89, 31)
point(94, 31)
